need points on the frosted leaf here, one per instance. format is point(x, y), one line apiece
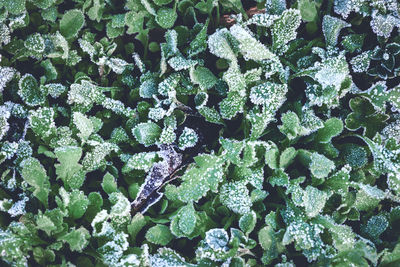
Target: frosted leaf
point(187, 139)
point(95, 158)
point(9, 149)
point(18, 208)
point(85, 93)
point(247, 222)
point(219, 45)
point(112, 251)
point(309, 121)
point(290, 125)
point(117, 65)
point(29, 91)
point(203, 77)
point(361, 62)
point(180, 63)
point(259, 121)
point(231, 105)
point(167, 135)
point(71, 23)
point(345, 7)
point(199, 44)
point(42, 122)
point(284, 29)
point(168, 86)
point(6, 75)
point(392, 130)
point(253, 75)
point(77, 239)
point(314, 201)
point(376, 225)
point(5, 34)
point(197, 181)
point(249, 46)
point(235, 80)
point(382, 25)
point(117, 107)
point(235, 196)
point(210, 115)
point(275, 7)
point(184, 223)
point(217, 238)
point(4, 126)
point(331, 28)
point(147, 133)
point(320, 165)
point(121, 209)
point(271, 95)
point(83, 124)
point(141, 161)
point(306, 237)
point(35, 43)
point(166, 257)
point(54, 89)
point(264, 20)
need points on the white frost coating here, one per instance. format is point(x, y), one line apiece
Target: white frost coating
point(382, 25)
point(219, 45)
point(6, 74)
point(249, 46)
point(187, 139)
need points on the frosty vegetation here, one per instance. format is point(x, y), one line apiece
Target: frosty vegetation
point(160, 133)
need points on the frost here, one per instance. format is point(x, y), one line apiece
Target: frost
point(284, 29)
point(147, 133)
point(121, 209)
point(42, 122)
point(187, 139)
point(314, 201)
point(271, 95)
point(235, 196)
point(54, 89)
point(383, 25)
point(83, 124)
point(159, 235)
point(219, 45)
point(166, 257)
point(320, 165)
point(361, 62)
point(331, 28)
point(345, 7)
point(117, 65)
point(35, 43)
point(6, 75)
point(29, 91)
point(95, 158)
point(4, 126)
point(180, 63)
point(250, 47)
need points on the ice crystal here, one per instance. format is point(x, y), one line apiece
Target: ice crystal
point(187, 139)
point(6, 75)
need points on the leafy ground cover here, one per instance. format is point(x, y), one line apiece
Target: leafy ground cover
point(199, 133)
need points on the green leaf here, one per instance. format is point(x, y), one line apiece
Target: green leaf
point(187, 139)
point(332, 127)
point(35, 175)
point(147, 133)
point(236, 197)
point(331, 28)
point(185, 221)
point(284, 29)
point(249, 46)
point(287, 156)
point(109, 184)
point(77, 204)
point(77, 239)
point(137, 223)
point(69, 170)
point(71, 23)
point(248, 222)
point(42, 122)
point(364, 115)
point(271, 95)
point(197, 181)
point(168, 257)
point(320, 165)
point(166, 17)
point(29, 91)
point(199, 43)
point(159, 235)
point(308, 10)
point(203, 77)
point(14, 6)
point(231, 105)
point(83, 124)
point(290, 125)
point(314, 201)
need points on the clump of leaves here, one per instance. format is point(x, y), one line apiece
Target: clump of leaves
point(199, 133)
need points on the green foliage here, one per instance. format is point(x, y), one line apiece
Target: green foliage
point(71, 23)
point(199, 133)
